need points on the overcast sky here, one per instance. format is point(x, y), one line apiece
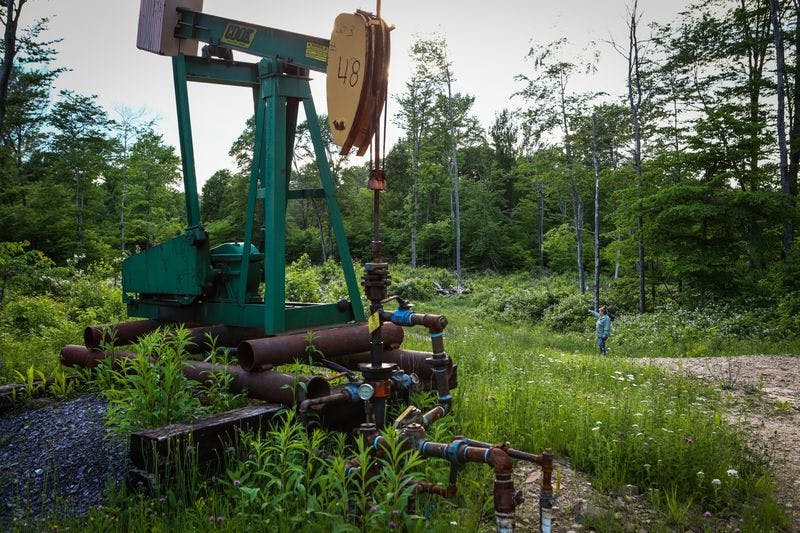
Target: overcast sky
point(488, 42)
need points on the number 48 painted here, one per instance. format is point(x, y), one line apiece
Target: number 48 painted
point(353, 69)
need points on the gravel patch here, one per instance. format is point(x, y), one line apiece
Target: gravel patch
point(57, 459)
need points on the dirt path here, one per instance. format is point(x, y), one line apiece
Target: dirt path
point(764, 396)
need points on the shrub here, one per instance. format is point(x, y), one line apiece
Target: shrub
point(569, 314)
point(149, 390)
point(788, 315)
point(302, 282)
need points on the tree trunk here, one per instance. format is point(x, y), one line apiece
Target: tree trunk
point(635, 101)
point(794, 131)
point(454, 170)
point(9, 53)
point(596, 215)
point(414, 200)
point(788, 229)
point(541, 224)
point(577, 203)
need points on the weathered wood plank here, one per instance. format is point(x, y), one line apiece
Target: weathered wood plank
point(206, 438)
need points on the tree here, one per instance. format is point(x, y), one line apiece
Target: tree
point(81, 148)
point(551, 108)
point(414, 116)
point(635, 102)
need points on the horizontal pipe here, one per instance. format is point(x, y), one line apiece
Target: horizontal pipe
point(119, 334)
point(331, 343)
point(203, 338)
point(269, 385)
point(73, 354)
point(410, 361)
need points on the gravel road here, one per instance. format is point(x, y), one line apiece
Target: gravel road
point(56, 458)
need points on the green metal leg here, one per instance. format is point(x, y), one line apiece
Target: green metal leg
point(275, 212)
point(333, 209)
point(258, 151)
point(185, 136)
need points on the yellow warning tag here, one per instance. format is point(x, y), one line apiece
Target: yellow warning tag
point(374, 321)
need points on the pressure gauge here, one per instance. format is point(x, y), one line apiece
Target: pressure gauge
point(365, 391)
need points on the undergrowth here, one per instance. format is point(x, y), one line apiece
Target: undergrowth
point(518, 381)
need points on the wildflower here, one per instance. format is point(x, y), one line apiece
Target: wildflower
point(647, 466)
point(453, 523)
point(211, 518)
point(595, 429)
point(373, 508)
point(689, 440)
point(707, 514)
point(638, 414)
point(701, 474)
point(392, 524)
point(220, 519)
point(732, 473)
point(716, 481)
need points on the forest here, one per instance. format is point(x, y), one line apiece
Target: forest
point(673, 202)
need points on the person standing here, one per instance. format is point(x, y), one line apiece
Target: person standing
point(602, 328)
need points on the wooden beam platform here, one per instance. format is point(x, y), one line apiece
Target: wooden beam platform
point(208, 437)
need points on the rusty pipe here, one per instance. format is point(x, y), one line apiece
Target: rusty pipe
point(340, 396)
point(404, 317)
point(330, 342)
point(73, 354)
point(269, 385)
point(119, 334)
point(410, 361)
point(202, 339)
point(449, 491)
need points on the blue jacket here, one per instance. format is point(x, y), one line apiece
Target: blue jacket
point(603, 326)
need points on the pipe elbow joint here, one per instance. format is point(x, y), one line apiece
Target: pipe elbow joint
point(499, 460)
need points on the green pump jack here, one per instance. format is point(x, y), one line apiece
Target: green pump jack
point(216, 292)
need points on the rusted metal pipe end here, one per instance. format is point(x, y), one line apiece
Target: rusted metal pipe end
point(317, 387)
point(246, 357)
point(72, 355)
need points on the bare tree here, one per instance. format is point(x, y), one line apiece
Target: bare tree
point(596, 167)
point(633, 56)
point(780, 67)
